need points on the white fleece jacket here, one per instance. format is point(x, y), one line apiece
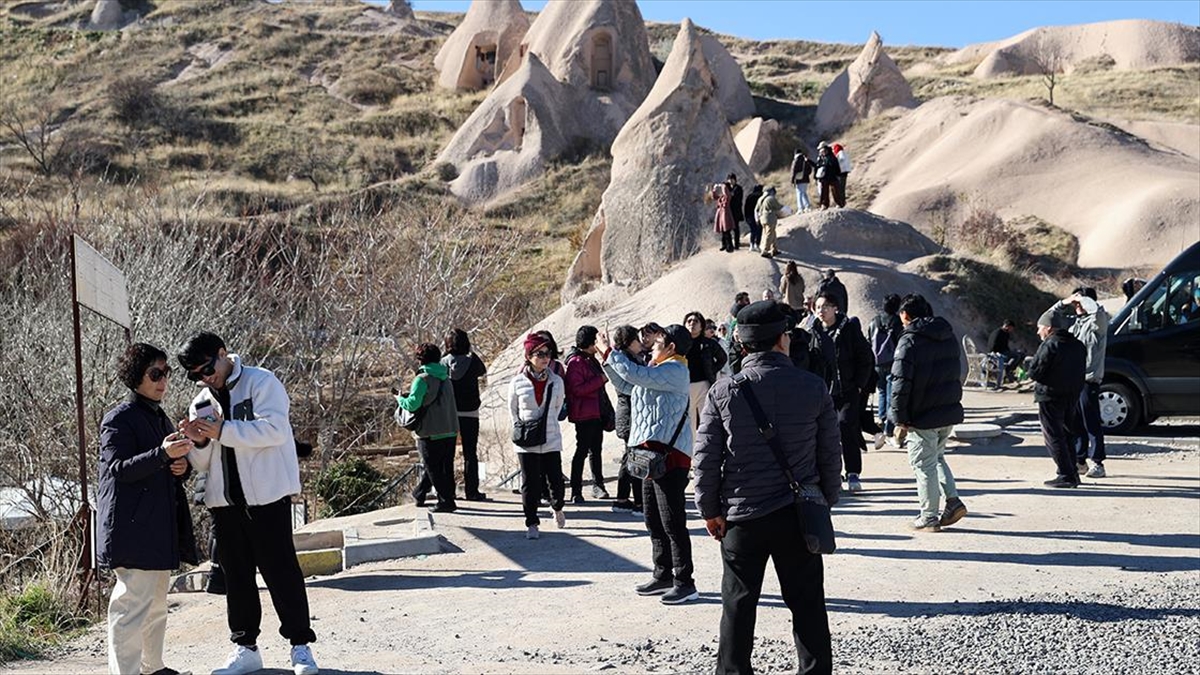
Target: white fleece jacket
point(260, 433)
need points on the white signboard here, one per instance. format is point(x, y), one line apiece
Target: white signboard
point(99, 285)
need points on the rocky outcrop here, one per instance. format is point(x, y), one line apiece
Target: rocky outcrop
point(665, 159)
point(490, 33)
point(111, 15)
point(754, 143)
point(400, 9)
point(731, 88)
point(872, 84)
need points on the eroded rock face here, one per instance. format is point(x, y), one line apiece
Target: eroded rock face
point(872, 84)
point(473, 55)
point(110, 15)
point(731, 88)
point(400, 8)
point(674, 147)
point(754, 143)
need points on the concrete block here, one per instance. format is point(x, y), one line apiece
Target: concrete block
point(315, 541)
point(976, 431)
point(371, 550)
point(323, 561)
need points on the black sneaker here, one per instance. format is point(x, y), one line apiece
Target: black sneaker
point(955, 510)
point(443, 508)
point(477, 497)
point(577, 499)
point(1061, 482)
point(680, 594)
point(623, 506)
point(655, 587)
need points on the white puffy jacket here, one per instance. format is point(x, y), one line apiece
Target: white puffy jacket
point(260, 433)
point(523, 405)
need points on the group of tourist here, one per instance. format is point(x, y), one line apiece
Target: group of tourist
point(830, 169)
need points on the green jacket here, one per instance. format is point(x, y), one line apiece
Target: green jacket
point(431, 387)
point(767, 210)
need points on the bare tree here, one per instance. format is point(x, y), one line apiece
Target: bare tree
point(1049, 60)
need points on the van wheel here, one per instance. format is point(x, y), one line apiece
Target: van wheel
point(1120, 407)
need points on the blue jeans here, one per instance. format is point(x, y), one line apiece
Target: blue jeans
point(1090, 442)
point(802, 201)
point(884, 398)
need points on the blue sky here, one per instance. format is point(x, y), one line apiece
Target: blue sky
point(942, 23)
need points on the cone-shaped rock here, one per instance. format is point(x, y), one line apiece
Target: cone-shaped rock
point(473, 55)
point(872, 84)
point(400, 8)
point(674, 147)
point(732, 90)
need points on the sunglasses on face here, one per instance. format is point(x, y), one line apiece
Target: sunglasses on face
point(158, 374)
point(540, 354)
point(203, 371)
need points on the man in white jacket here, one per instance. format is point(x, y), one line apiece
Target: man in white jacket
point(239, 424)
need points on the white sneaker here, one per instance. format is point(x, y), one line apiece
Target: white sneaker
point(1097, 471)
point(560, 519)
point(302, 661)
point(241, 660)
point(880, 439)
point(532, 532)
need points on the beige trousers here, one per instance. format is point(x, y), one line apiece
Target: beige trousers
point(698, 392)
point(768, 245)
point(137, 621)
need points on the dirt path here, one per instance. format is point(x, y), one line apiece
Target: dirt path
point(564, 604)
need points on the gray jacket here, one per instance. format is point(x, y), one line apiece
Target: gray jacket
point(737, 475)
point(1092, 330)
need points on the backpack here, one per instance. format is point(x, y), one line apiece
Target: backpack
point(882, 344)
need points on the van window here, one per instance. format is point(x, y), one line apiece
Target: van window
point(1175, 302)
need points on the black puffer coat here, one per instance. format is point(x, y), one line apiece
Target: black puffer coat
point(845, 354)
point(737, 475)
point(927, 376)
point(1058, 368)
point(142, 510)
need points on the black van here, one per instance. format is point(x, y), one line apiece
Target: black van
point(1152, 364)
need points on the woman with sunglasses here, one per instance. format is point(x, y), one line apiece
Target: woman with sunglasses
point(536, 392)
point(144, 524)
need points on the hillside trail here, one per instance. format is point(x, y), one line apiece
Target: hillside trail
point(495, 602)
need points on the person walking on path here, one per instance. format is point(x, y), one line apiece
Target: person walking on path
point(832, 284)
point(585, 402)
point(748, 211)
point(1090, 326)
point(926, 402)
point(884, 333)
point(432, 393)
point(1058, 368)
point(466, 370)
point(629, 489)
point(537, 392)
point(723, 216)
point(801, 173)
point(658, 393)
point(791, 287)
point(144, 525)
point(766, 212)
point(848, 364)
point(828, 172)
point(746, 500)
point(240, 426)
point(705, 359)
point(737, 206)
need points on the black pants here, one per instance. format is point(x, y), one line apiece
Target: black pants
point(737, 234)
point(1089, 443)
point(468, 431)
point(755, 231)
point(835, 187)
point(589, 438)
point(727, 241)
point(437, 457)
point(628, 486)
point(848, 411)
point(1057, 419)
point(537, 469)
point(261, 537)
point(665, 511)
point(744, 552)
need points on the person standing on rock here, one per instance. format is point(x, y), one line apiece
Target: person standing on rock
point(536, 393)
point(844, 168)
point(586, 401)
point(705, 359)
point(802, 168)
point(1058, 368)
point(629, 489)
point(767, 212)
point(828, 172)
point(723, 216)
point(658, 393)
point(752, 219)
point(736, 205)
point(432, 393)
point(243, 438)
point(745, 498)
point(846, 355)
point(791, 287)
point(926, 402)
point(833, 285)
point(466, 370)
point(144, 526)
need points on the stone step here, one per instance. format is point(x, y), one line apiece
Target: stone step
point(371, 550)
point(320, 561)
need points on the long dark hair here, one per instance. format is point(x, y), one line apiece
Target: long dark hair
point(456, 342)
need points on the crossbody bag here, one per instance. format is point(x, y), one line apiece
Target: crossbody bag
point(647, 464)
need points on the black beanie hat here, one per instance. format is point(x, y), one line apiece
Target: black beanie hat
point(762, 321)
point(586, 336)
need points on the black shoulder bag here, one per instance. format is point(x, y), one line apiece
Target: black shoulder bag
point(816, 524)
point(532, 433)
point(647, 464)
point(412, 420)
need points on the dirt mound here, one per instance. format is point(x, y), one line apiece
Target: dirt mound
point(854, 232)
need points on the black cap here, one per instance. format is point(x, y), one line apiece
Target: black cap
point(680, 337)
point(762, 321)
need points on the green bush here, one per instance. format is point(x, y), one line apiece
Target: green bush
point(349, 487)
point(33, 621)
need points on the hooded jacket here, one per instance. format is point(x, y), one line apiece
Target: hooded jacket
point(465, 371)
point(801, 170)
point(258, 430)
point(737, 475)
point(846, 354)
point(1058, 367)
point(927, 376)
point(659, 398)
point(441, 416)
point(837, 289)
point(142, 514)
point(1090, 328)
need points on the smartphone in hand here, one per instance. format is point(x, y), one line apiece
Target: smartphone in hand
point(205, 411)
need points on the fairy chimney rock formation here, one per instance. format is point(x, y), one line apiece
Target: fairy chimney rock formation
point(400, 8)
point(754, 143)
point(732, 90)
point(666, 157)
point(110, 15)
point(473, 55)
point(872, 84)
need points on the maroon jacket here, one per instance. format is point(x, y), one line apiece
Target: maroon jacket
point(584, 380)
